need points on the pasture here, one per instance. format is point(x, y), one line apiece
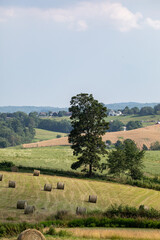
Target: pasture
point(61, 158)
point(42, 135)
point(75, 193)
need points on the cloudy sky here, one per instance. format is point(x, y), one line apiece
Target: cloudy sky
point(51, 50)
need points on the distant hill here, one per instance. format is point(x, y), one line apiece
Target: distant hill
point(141, 136)
point(28, 109)
point(118, 106)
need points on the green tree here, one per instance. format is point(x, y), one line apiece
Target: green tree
point(115, 126)
point(157, 109)
point(155, 146)
point(146, 111)
point(133, 125)
point(127, 159)
point(89, 124)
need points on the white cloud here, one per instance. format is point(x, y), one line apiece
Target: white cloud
point(153, 23)
point(80, 16)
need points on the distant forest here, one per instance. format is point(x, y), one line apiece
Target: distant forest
point(18, 128)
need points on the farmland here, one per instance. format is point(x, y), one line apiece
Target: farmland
point(61, 157)
point(97, 233)
point(141, 136)
point(75, 194)
point(42, 135)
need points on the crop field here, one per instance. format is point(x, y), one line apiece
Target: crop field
point(42, 135)
point(141, 136)
point(61, 158)
point(99, 233)
point(75, 193)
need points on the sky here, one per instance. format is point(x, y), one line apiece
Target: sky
point(51, 50)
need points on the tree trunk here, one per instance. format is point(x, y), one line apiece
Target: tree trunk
point(90, 169)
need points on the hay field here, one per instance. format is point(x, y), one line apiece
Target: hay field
point(75, 194)
point(100, 233)
point(141, 136)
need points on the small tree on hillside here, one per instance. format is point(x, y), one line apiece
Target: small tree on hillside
point(127, 159)
point(89, 124)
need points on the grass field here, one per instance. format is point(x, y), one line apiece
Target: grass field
point(61, 157)
point(42, 135)
point(116, 234)
point(75, 194)
point(146, 120)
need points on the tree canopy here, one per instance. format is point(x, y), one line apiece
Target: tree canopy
point(127, 159)
point(89, 124)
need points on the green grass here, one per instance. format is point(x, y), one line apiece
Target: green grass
point(47, 157)
point(61, 158)
point(75, 194)
point(152, 162)
point(151, 119)
point(42, 135)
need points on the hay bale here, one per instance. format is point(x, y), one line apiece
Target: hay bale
point(60, 185)
point(22, 204)
point(29, 209)
point(48, 187)
point(81, 210)
point(36, 173)
point(1, 177)
point(31, 234)
point(14, 169)
point(12, 184)
point(92, 198)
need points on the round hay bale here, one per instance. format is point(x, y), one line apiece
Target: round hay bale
point(31, 234)
point(29, 209)
point(1, 177)
point(60, 185)
point(36, 173)
point(81, 210)
point(92, 198)
point(14, 169)
point(12, 184)
point(22, 204)
point(48, 187)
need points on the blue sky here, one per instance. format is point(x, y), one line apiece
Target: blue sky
point(51, 50)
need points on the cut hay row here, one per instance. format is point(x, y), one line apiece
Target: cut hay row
point(75, 194)
point(141, 136)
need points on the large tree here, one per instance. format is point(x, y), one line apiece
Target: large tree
point(89, 124)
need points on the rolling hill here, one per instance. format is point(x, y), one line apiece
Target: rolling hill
point(141, 136)
point(75, 194)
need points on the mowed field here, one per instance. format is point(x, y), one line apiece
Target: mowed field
point(100, 233)
point(76, 193)
point(141, 136)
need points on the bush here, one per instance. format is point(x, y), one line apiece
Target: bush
point(6, 164)
point(155, 146)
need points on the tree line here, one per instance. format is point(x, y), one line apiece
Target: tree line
point(16, 128)
point(144, 111)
